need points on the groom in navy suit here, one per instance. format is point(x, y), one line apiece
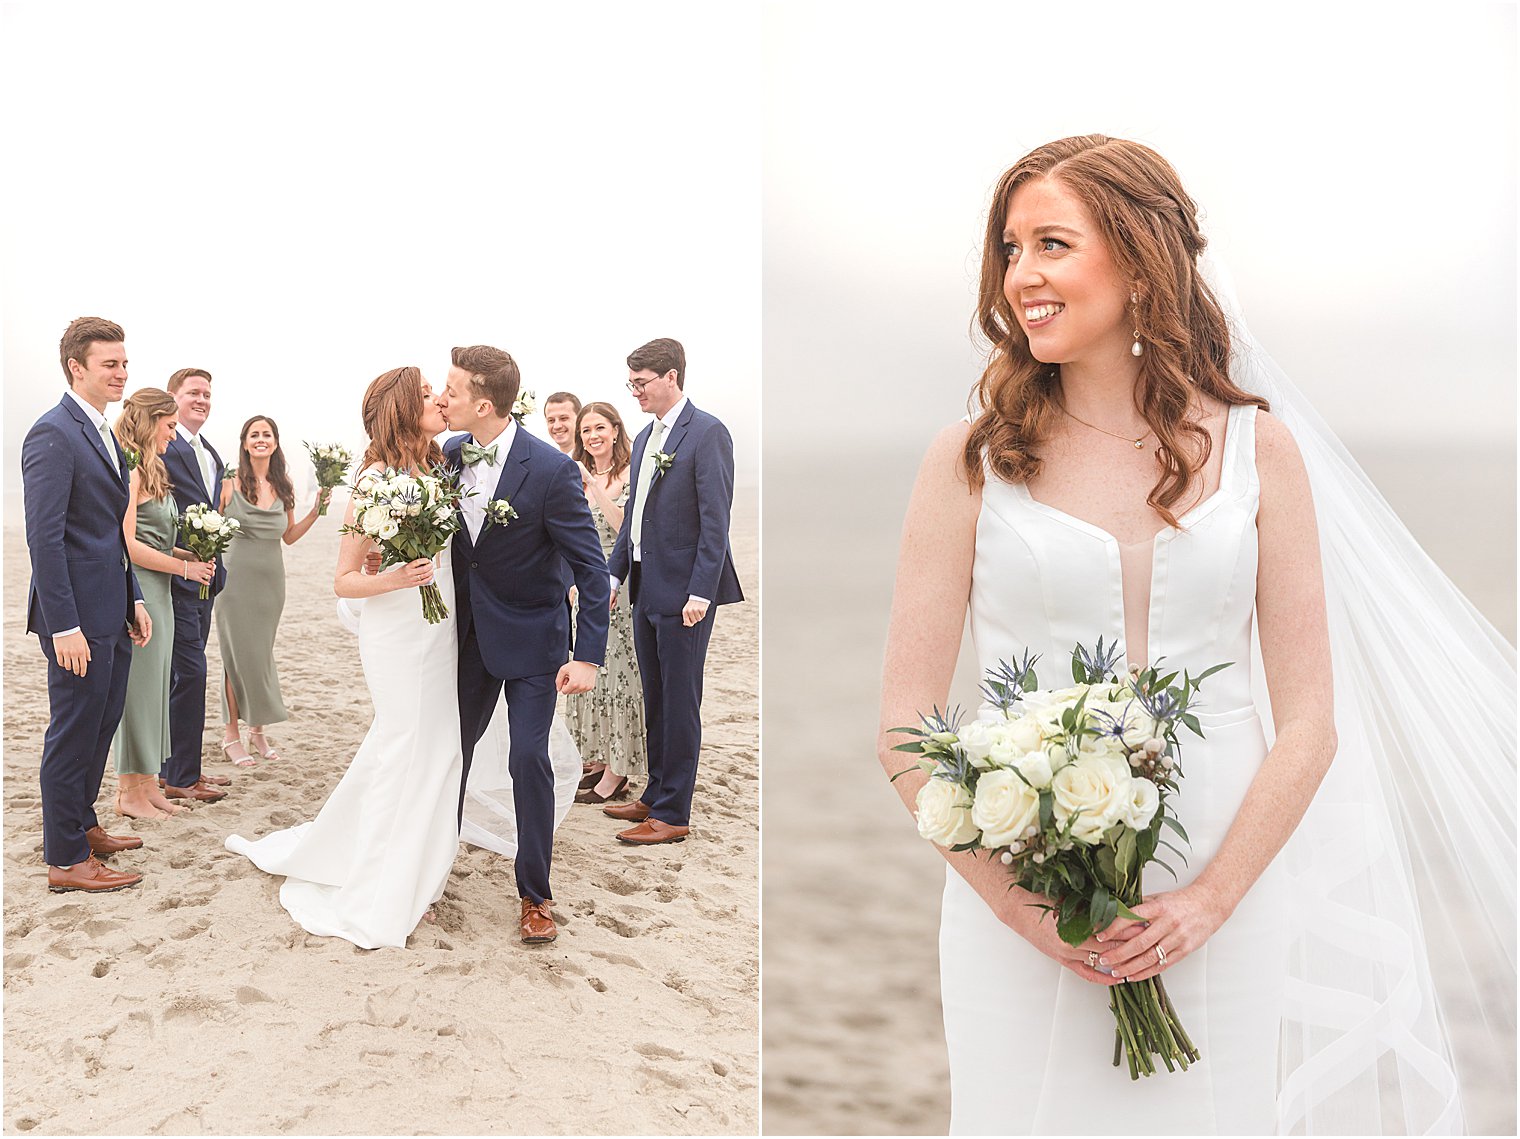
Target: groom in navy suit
point(512, 613)
point(673, 553)
point(195, 472)
point(84, 604)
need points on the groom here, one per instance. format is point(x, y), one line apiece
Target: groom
point(512, 613)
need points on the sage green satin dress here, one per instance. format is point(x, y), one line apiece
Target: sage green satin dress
point(248, 611)
point(608, 721)
point(142, 737)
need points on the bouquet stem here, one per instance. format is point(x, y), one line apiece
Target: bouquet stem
point(205, 590)
point(1147, 1026)
point(433, 607)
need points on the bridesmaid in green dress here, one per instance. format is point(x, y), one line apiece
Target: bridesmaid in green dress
point(145, 429)
point(608, 721)
point(248, 610)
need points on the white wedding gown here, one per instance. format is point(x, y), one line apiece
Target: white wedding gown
point(379, 851)
point(1030, 1043)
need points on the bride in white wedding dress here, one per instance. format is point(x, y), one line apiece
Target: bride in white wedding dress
point(378, 854)
point(1115, 480)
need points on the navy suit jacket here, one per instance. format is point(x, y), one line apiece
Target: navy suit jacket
point(189, 488)
point(509, 583)
point(683, 549)
point(76, 500)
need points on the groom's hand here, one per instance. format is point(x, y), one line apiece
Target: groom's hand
point(575, 676)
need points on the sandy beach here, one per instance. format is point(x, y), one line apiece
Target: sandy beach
point(853, 1040)
point(193, 1004)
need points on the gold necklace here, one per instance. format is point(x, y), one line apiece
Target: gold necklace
point(1139, 443)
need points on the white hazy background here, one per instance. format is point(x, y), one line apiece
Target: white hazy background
point(298, 197)
point(1356, 167)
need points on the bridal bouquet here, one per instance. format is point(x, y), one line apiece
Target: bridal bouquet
point(409, 516)
point(1068, 788)
point(332, 461)
point(206, 533)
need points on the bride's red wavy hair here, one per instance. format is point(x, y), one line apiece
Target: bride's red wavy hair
point(1150, 226)
point(392, 412)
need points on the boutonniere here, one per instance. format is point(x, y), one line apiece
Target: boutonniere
point(523, 406)
point(498, 513)
point(662, 462)
point(130, 458)
point(229, 471)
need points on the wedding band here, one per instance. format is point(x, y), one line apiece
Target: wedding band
point(1160, 954)
point(1092, 959)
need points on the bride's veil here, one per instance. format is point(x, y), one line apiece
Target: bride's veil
point(1401, 988)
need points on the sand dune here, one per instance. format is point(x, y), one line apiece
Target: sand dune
point(192, 1003)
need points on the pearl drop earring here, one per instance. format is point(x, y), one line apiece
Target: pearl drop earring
point(1135, 349)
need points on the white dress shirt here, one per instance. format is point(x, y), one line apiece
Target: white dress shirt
point(206, 462)
point(482, 477)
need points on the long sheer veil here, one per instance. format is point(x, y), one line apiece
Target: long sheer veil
point(1401, 988)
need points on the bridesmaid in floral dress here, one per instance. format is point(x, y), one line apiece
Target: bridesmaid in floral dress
point(262, 498)
point(608, 721)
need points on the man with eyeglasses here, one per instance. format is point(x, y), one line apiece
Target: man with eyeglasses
point(672, 552)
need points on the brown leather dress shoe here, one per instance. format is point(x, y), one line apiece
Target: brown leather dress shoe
point(634, 812)
point(91, 876)
point(538, 927)
point(200, 791)
point(104, 844)
point(652, 832)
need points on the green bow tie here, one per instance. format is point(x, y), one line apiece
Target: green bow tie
point(472, 454)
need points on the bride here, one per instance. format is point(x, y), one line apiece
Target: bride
point(1135, 468)
point(378, 854)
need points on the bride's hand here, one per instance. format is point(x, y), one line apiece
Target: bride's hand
point(416, 573)
point(1039, 929)
point(1180, 921)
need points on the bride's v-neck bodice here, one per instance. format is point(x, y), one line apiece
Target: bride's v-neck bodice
point(1044, 580)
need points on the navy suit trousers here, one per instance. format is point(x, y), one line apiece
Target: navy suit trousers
point(84, 711)
point(187, 689)
point(530, 712)
point(671, 659)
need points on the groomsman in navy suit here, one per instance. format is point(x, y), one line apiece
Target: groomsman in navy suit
point(512, 613)
point(195, 471)
point(84, 604)
point(673, 553)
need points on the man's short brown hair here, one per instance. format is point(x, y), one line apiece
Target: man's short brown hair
point(660, 356)
point(493, 375)
point(564, 397)
point(177, 380)
point(78, 337)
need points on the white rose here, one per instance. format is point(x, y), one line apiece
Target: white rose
point(389, 530)
point(375, 519)
point(1095, 789)
point(213, 519)
point(441, 515)
point(1004, 806)
point(414, 509)
point(1036, 768)
point(1141, 803)
point(197, 521)
point(976, 741)
point(1003, 754)
point(944, 814)
point(1021, 732)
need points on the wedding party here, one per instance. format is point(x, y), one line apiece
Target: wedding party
point(437, 777)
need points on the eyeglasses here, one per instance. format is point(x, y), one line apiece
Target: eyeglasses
point(637, 386)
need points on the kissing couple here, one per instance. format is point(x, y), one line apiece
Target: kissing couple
point(370, 866)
